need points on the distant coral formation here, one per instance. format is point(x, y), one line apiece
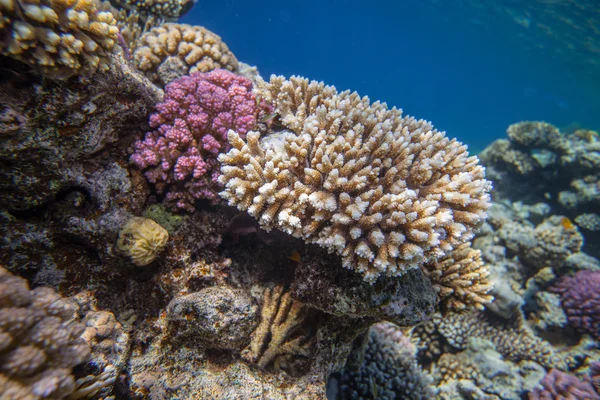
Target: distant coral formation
point(538, 163)
point(142, 240)
point(580, 298)
point(513, 339)
point(40, 341)
point(384, 191)
point(179, 156)
point(171, 51)
point(57, 38)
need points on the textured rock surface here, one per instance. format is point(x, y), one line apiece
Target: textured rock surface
point(216, 317)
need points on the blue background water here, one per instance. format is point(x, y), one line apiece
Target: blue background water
point(471, 69)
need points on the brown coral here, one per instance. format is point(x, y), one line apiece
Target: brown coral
point(275, 339)
point(58, 38)
point(385, 192)
point(172, 50)
point(461, 279)
point(40, 342)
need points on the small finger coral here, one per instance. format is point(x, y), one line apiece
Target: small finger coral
point(59, 38)
point(386, 192)
point(142, 240)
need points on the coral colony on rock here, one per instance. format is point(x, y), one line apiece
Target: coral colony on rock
point(175, 226)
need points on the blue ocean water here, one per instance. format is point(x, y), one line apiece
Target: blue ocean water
point(470, 67)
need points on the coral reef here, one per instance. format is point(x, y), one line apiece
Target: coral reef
point(146, 285)
point(179, 156)
point(580, 298)
point(170, 51)
point(58, 38)
point(142, 240)
point(385, 192)
point(541, 164)
point(40, 341)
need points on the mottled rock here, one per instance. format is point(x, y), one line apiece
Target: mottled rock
point(322, 283)
point(217, 317)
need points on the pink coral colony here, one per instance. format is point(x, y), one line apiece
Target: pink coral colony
point(190, 127)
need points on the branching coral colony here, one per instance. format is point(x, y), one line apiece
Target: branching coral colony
point(386, 192)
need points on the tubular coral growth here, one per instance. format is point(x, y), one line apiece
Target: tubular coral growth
point(180, 155)
point(385, 192)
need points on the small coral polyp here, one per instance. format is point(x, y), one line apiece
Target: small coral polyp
point(190, 127)
point(386, 192)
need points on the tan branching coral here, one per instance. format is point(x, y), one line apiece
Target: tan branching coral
point(385, 192)
point(40, 341)
point(275, 339)
point(461, 279)
point(58, 38)
point(142, 240)
point(172, 50)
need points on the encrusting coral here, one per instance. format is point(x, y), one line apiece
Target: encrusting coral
point(58, 38)
point(40, 342)
point(170, 51)
point(273, 340)
point(142, 240)
point(460, 279)
point(190, 126)
point(385, 192)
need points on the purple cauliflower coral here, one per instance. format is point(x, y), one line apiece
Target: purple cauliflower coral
point(580, 298)
point(559, 385)
point(190, 130)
